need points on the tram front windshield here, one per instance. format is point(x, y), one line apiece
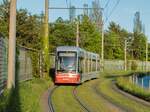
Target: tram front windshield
point(66, 61)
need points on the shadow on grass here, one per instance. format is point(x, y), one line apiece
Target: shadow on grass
point(13, 102)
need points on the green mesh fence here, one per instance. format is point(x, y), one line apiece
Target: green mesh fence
point(24, 65)
point(3, 63)
point(42, 65)
point(118, 65)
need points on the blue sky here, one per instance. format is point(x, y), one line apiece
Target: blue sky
point(123, 14)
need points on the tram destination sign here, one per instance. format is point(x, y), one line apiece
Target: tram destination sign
point(67, 54)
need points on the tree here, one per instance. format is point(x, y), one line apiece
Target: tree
point(139, 46)
point(72, 13)
point(85, 10)
point(96, 14)
point(4, 17)
point(62, 33)
point(137, 23)
point(113, 42)
point(89, 35)
point(28, 29)
point(139, 38)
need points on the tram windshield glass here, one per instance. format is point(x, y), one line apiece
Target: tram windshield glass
point(66, 61)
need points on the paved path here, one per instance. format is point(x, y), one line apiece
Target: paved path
point(44, 101)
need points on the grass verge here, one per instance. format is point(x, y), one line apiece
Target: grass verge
point(64, 101)
point(124, 84)
point(105, 87)
point(94, 101)
point(25, 97)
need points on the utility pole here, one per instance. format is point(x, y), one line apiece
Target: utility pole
point(125, 55)
point(46, 37)
point(146, 55)
point(77, 34)
point(12, 46)
point(102, 46)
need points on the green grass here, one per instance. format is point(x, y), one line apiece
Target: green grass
point(64, 100)
point(124, 84)
point(26, 96)
point(105, 86)
point(91, 99)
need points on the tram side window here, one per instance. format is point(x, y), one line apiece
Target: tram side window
point(93, 65)
point(81, 65)
point(86, 65)
point(90, 65)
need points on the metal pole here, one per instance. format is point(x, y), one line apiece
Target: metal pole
point(77, 35)
point(12, 45)
point(146, 55)
point(46, 37)
point(102, 39)
point(125, 55)
point(102, 48)
point(142, 83)
point(149, 84)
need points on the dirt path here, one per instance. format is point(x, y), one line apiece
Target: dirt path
point(44, 101)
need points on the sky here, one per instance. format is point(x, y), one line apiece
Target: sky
point(122, 15)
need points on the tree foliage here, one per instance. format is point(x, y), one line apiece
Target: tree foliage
point(90, 37)
point(63, 33)
point(4, 17)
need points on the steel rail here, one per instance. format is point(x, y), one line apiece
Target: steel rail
point(50, 104)
point(82, 104)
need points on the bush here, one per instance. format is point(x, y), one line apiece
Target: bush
point(25, 97)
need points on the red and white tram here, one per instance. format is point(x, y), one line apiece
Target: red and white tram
point(75, 65)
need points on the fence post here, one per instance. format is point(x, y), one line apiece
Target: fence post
point(142, 83)
point(146, 55)
point(149, 84)
point(125, 55)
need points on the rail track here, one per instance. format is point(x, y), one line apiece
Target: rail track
point(120, 107)
point(84, 107)
point(50, 103)
point(96, 91)
point(77, 98)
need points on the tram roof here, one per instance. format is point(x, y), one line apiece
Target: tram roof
point(74, 48)
point(68, 48)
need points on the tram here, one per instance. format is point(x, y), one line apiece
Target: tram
point(75, 65)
